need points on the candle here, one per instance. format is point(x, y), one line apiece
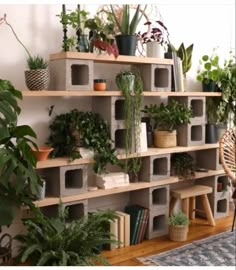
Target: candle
point(63, 9)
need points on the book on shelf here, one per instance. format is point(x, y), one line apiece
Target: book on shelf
point(144, 225)
point(126, 227)
point(114, 233)
point(180, 76)
point(121, 229)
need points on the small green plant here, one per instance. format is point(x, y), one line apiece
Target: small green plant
point(210, 69)
point(168, 117)
point(36, 62)
point(182, 165)
point(178, 218)
point(55, 242)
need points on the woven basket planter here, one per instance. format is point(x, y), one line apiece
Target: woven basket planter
point(164, 139)
point(37, 79)
point(178, 233)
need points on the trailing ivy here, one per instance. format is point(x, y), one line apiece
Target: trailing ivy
point(94, 135)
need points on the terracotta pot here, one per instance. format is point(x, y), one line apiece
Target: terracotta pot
point(99, 85)
point(42, 153)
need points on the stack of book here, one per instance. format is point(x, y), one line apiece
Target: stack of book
point(112, 180)
point(138, 222)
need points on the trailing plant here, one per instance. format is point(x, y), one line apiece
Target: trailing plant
point(168, 117)
point(185, 54)
point(212, 105)
point(131, 85)
point(182, 166)
point(227, 85)
point(54, 242)
point(94, 135)
point(209, 69)
point(19, 181)
point(122, 18)
point(33, 62)
point(178, 218)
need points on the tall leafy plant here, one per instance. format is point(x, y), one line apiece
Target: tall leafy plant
point(18, 178)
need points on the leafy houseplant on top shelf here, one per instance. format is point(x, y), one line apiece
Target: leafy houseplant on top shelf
point(55, 242)
point(37, 77)
point(93, 134)
point(209, 72)
point(126, 39)
point(131, 85)
point(155, 38)
point(178, 226)
point(17, 161)
point(166, 119)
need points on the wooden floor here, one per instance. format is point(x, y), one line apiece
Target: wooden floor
point(198, 229)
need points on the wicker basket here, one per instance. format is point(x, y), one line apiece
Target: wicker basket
point(37, 79)
point(178, 233)
point(164, 139)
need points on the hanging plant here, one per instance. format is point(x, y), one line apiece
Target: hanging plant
point(93, 134)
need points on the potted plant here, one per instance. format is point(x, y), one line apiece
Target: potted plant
point(131, 85)
point(155, 38)
point(209, 71)
point(178, 226)
point(182, 166)
point(93, 134)
point(17, 161)
point(55, 242)
point(126, 39)
point(166, 119)
point(37, 77)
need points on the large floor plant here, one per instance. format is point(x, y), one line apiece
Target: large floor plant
point(18, 178)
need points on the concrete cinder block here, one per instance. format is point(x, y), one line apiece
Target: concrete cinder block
point(158, 223)
point(198, 105)
point(155, 168)
point(156, 77)
point(71, 74)
point(76, 209)
point(209, 159)
point(191, 134)
point(154, 198)
point(66, 180)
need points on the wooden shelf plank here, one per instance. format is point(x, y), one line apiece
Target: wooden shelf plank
point(65, 161)
point(131, 187)
point(88, 93)
point(101, 58)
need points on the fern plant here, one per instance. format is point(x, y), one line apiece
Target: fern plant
point(178, 218)
point(54, 242)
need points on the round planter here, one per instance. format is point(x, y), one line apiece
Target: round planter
point(42, 153)
point(99, 85)
point(165, 139)
point(178, 232)
point(209, 87)
point(126, 44)
point(41, 190)
point(128, 80)
point(37, 79)
point(211, 136)
point(155, 49)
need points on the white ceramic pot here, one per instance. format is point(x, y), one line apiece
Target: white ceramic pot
point(155, 49)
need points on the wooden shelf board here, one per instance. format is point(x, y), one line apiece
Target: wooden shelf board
point(88, 93)
point(101, 58)
point(65, 161)
point(131, 187)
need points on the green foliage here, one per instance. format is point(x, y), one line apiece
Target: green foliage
point(126, 25)
point(131, 85)
point(36, 62)
point(185, 54)
point(227, 84)
point(55, 242)
point(17, 161)
point(182, 165)
point(178, 218)
point(210, 69)
point(212, 105)
point(168, 117)
point(94, 135)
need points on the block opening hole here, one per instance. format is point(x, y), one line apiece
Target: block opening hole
point(74, 178)
point(159, 196)
point(75, 211)
point(222, 183)
point(79, 74)
point(222, 206)
point(120, 110)
point(161, 76)
point(159, 223)
point(196, 133)
point(50, 211)
point(120, 135)
point(160, 166)
point(197, 108)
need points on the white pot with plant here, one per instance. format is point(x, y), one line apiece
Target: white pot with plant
point(155, 39)
point(37, 77)
point(178, 226)
point(166, 119)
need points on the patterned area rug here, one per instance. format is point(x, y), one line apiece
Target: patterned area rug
point(217, 250)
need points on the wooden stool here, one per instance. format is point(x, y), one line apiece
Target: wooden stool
point(188, 196)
